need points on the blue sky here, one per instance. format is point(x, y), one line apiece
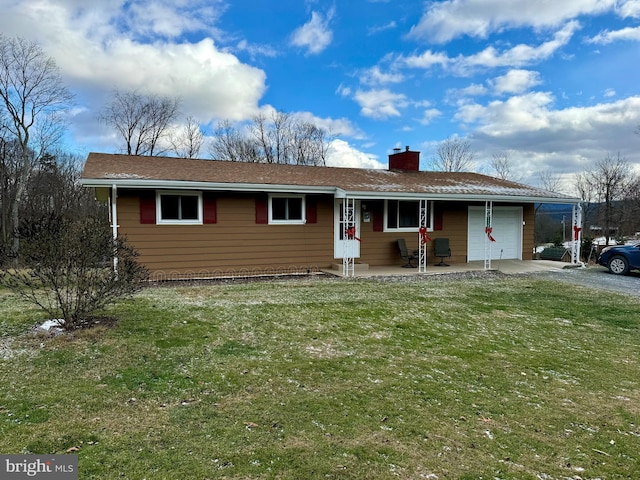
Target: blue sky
point(553, 82)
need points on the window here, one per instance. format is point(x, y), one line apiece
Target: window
point(404, 215)
point(179, 207)
point(286, 209)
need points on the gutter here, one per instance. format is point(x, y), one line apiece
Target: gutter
point(337, 192)
point(229, 187)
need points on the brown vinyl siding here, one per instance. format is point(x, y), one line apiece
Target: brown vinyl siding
point(234, 243)
point(529, 218)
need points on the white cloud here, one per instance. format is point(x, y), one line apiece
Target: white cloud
point(609, 92)
point(425, 60)
point(381, 28)
point(343, 90)
point(341, 154)
point(459, 94)
point(629, 8)
point(342, 127)
point(315, 35)
point(446, 20)
point(564, 140)
point(375, 76)
point(605, 37)
point(515, 81)
point(96, 53)
point(169, 18)
point(429, 115)
point(380, 104)
point(255, 50)
point(517, 56)
point(525, 112)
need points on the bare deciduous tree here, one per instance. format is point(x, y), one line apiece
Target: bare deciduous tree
point(279, 138)
point(310, 144)
point(32, 97)
point(503, 166)
point(273, 136)
point(549, 181)
point(584, 190)
point(453, 155)
point(610, 181)
point(633, 211)
point(10, 158)
point(229, 144)
point(188, 141)
point(141, 120)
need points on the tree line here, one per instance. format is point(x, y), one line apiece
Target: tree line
point(148, 124)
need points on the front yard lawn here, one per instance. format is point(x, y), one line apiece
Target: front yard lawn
point(491, 377)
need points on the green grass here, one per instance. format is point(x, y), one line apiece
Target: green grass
point(483, 378)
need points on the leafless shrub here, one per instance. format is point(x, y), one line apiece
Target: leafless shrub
point(66, 270)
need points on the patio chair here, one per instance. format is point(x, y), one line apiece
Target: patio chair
point(441, 249)
point(405, 255)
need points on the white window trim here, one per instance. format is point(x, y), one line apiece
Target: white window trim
point(182, 193)
point(301, 221)
point(407, 229)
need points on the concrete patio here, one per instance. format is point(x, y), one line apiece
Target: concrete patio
point(504, 266)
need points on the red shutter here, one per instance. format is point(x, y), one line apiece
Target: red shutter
point(262, 210)
point(209, 208)
point(377, 212)
point(378, 221)
point(148, 207)
point(311, 207)
point(437, 217)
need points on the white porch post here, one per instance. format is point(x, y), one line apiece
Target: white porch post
point(488, 215)
point(349, 236)
point(114, 221)
point(577, 233)
point(422, 236)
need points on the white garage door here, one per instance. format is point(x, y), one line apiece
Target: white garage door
point(507, 230)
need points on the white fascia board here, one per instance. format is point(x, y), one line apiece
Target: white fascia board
point(233, 187)
point(459, 197)
point(309, 189)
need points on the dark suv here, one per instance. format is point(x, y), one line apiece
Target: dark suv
point(621, 258)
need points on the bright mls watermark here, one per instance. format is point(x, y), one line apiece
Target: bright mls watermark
point(49, 467)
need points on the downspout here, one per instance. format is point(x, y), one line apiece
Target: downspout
point(114, 221)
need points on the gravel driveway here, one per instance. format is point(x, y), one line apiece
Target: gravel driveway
point(599, 278)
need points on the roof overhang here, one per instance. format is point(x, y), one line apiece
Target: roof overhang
point(461, 197)
point(312, 189)
point(227, 187)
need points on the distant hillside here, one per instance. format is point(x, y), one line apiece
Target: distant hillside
point(555, 211)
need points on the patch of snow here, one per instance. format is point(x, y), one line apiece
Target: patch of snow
point(125, 175)
point(53, 323)
point(603, 241)
point(50, 327)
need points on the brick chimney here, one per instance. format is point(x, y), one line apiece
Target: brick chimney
point(408, 161)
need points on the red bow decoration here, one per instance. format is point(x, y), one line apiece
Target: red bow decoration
point(488, 231)
point(351, 234)
point(423, 236)
point(576, 232)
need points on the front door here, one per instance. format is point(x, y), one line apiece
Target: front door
point(340, 235)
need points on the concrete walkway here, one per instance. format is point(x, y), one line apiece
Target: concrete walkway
point(504, 266)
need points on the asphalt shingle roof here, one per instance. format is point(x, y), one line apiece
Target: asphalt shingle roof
point(101, 167)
